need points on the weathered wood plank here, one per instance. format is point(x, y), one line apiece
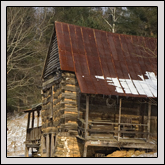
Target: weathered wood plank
point(86, 116)
point(70, 88)
point(72, 96)
point(119, 119)
point(32, 120)
point(149, 115)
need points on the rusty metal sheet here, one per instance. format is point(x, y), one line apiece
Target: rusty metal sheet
point(59, 34)
point(65, 56)
point(81, 64)
point(112, 46)
point(67, 44)
point(139, 56)
point(79, 40)
point(108, 63)
point(73, 39)
point(118, 48)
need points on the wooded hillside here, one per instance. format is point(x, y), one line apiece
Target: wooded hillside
point(29, 30)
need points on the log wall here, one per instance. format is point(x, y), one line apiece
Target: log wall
point(59, 115)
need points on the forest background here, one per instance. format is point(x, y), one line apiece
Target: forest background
point(29, 30)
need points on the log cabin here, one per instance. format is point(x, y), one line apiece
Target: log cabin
point(99, 92)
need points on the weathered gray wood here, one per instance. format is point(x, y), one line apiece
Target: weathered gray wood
point(33, 145)
point(28, 122)
point(38, 115)
point(70, 88)
point(33, 133)
point(119, 119)
point(32, 126)
point(49, 81)
point(73, 102)
point(51, 115)
point(72, 96)
point(129, 109)
point(52, 64)
point(85, 150)
point(79, 97)
point(46, 100)
point(57, 79)
point(149, 118)
point(52, 144)
point(111, 131)
point(47, 145)
point(86, 116)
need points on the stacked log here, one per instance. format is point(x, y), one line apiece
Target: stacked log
point(60, 104)
point(65, 109)
point(46, 108)
point(60, 113)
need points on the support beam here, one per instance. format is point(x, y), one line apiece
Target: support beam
point(149, 119)
point(52, 144)
point(28, 125)
point(86, 125)
point(47, 145)
point(26, 151)
point(44, 143)
point(38, 115)
point(79, 97)
point(139, 126)
point(86, 116)
point(28, 122)
point(85, 150)
point(51, 115)
point(142, 121)
point(32, 119)
point(119, 119)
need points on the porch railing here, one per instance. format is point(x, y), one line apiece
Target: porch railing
point(33, 133)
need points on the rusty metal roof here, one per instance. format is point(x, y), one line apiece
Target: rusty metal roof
point(108, 63)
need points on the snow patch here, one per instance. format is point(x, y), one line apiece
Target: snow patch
point(143, 87)
point(100, 77)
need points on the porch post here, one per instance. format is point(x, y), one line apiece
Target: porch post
point(149, 118)
point(79, 97)
point(119, 119)
point(86, 125)
point(28, 122)
point(47, 145)
point(52, 144)
point(33, 119)
point(38, 115)
point(86, 116)
point(85, 150)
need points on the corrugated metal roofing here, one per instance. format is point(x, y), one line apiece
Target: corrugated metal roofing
point(108, 63)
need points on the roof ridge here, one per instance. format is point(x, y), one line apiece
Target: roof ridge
point(103, 30)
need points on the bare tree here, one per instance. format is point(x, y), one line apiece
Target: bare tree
point(112, 18)
point(25, 51)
